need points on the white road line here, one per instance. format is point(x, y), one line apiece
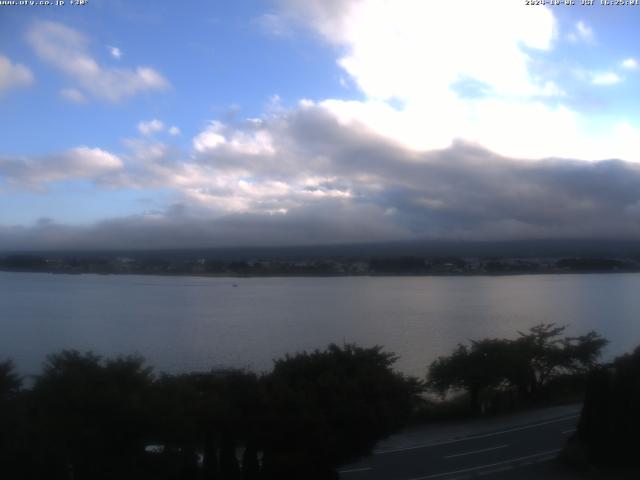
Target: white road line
point(495, 470)
point(354, 470)
point(476, 451)
point(489, 465)
point(474, 437)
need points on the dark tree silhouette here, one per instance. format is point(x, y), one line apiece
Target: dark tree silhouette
point(542, 354)
point(526, 364)
point(10, 381)
point(207, 415)
point(328, 407)
point(12, 433)
point(485, 364)
point(90, 416)
point(100, 419)
point(610, 420)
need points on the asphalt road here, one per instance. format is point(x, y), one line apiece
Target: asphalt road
point(492, 455)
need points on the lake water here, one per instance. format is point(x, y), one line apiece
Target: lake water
point(193, 323)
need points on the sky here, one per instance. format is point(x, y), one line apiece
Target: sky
point(164, 124)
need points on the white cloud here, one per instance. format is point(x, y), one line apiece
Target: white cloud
point(174, 131)
point(336, 180)
point(629, 64)
point(334, 183)
point(13, 75)
point(145, 151)
point(254, 141)
point(115, 52)
point(414, 158)
point(394, 51)
point(210, 138)
point(80, 162)
point(150, 127)
point(582, 33)
point(86, 161)
point(323, 153)
point(73, 95)
point(273, 24)
point(605, 78)
point(66, 49)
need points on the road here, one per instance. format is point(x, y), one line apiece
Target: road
point(488, 454)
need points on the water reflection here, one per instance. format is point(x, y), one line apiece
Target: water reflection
point(182, 323)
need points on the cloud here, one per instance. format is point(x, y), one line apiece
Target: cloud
point(252, 141)
point(66, 49)
point(494, 90)
point(177, 227)
point(582, 33)
point(446, 143)
point(274, 24)
point(77, 163)
point(73, 95)
point(115, 52)
point(629, 64)
point(394, 49)
point(210, 138)
point(605, 78)
point(425, 96)
point(312, 155)
point(150, 127)
point(174, 131)
point(463, 191)
point(13, 75)
point(320, 158)
point(331, 182)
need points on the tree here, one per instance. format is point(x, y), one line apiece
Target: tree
point(584, 351)
point(207, 415)
point(526, 364)
point(328, 407)
point(174, 405)
point(10, 382)
point(12, 432)
point(542, 354)
point(481, 366)
point(610, 419)
point(90, 416)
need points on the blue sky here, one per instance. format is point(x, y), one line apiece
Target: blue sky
point(287, 122)
point(217, 60)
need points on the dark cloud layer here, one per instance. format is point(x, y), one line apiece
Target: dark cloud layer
point(329, 224)
point(323, 182)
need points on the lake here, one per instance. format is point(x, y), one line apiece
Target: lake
point(196, 323)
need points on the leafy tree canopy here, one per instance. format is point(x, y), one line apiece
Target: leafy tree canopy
point(526, 363)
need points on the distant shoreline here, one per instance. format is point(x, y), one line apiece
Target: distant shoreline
point(317, 266)
point(326, 275)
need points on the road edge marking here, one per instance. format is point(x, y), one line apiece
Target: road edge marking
point(476, 451)
point(489, 465)
point(354, 470)
point(475, 437)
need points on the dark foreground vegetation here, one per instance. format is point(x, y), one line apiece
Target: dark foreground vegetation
point(92, 418)
point(85, 417)
point(501, 374)
point(606, 442)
